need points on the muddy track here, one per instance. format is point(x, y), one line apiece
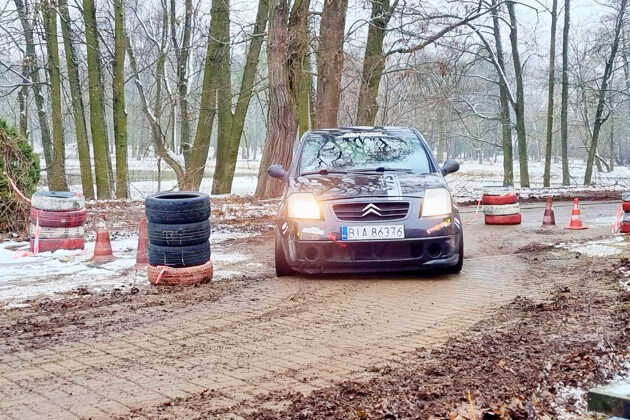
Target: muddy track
point(160, 352)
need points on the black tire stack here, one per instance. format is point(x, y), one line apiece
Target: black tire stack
point(179, 233)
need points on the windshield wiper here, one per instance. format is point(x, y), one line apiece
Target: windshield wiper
point(383, 169)
point(324, 172)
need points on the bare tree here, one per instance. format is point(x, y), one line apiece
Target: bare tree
point(97, 111)
point(330, 58)
point(564, 107)
point(608, 70)
point(552, 68)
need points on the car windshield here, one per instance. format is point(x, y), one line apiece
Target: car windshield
point(355, 152)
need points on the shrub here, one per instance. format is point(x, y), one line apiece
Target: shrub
point(18, 160)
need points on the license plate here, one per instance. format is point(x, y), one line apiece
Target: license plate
point(367, 232)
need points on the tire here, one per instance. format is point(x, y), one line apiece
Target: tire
point(503, 210)
point(57, 233)
point(179, 235)
point(177, 207)
point(52, 245)
point(179, 256)
point(184, 276)
point(626, 206)
point(497, 190)
point(59, 219)
point(282, 267)
point(626, 217)
point(495, 200)
point(58, 201)
point(625, 196)
point(455, 269)
point(511, 219)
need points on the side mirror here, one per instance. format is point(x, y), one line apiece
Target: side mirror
point(450, 166)
point(277, 171)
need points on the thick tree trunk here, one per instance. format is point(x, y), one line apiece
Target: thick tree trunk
point(373, 63)
point(330, 58)
point(552, 69)
point(231, 125)
point(504, 104)
point(519, 105)
point(282, 116)
point(197, 156)
point(97, 111)
point(27, 27)
point(608, 69)
point(78, 108)
point(564, 106)
point(57, 171)
point(118, 93)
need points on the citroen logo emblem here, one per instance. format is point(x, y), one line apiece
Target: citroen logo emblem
point(371, 208)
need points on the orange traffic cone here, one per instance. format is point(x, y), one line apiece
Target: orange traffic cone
point(549, 219)
point(143, 244)
point(103, 246)
point(576, 217)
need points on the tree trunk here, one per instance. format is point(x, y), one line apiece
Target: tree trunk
point(118, 93)
point(182, 55)
point(78, 108)
point(330, 60)
point(197, 156)
point(552, 69)
point(282, 116)
point(97, 111)
point(373, 62)
point(27, 27)
point(519, 105)
point(504, 103)
point(23, 102)
point(564, 107)
point(57, 171)
point(608, 69)
point(231, 125)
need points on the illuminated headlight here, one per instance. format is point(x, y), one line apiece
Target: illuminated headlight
point(437, 202)
point(303, 206)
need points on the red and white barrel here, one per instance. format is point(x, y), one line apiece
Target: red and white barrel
point(625, 221)
point(500, 206)
point(57, 219)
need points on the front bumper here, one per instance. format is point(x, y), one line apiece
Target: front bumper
point(422, 248)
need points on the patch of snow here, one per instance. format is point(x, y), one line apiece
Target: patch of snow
point(597, 248)
point(50, 273)
point(229, 258)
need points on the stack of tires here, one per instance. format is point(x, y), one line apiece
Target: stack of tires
point(57, 219)
point(625, 222)
point(500, 206)
point(179, 233)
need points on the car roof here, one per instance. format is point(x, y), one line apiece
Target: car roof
point(339, 131)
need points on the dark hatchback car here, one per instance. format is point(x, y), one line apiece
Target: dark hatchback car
point(366, 199)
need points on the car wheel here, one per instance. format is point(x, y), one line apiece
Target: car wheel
point(454, 269)
point(282, 267)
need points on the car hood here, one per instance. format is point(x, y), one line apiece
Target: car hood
point(336, 186)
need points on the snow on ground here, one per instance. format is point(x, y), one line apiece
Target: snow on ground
point(49, 273)
point(614, 245)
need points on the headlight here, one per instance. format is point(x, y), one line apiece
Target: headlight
point(437, 202)
point(303, 206)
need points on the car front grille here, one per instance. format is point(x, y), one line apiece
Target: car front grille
point(365, 212)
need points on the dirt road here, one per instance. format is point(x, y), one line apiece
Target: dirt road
point(141, 351)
